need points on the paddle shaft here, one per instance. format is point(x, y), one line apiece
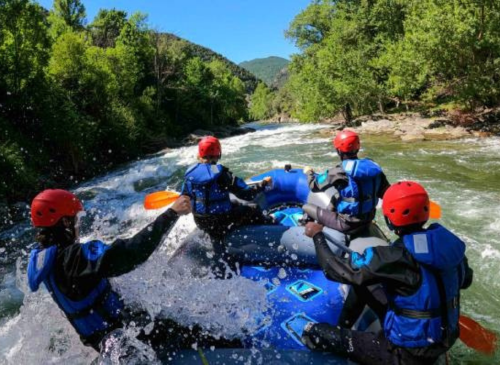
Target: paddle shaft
point(338, 244)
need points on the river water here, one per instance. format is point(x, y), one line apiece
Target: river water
point(462, 176)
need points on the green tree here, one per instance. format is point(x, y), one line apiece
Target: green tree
point(72, 12)
point(66, 16)
point(261, 102)
point(106, 27)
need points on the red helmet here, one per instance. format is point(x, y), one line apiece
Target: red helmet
point(406, 203)
point(209, 147)
point(347, 142)
point(51, 205)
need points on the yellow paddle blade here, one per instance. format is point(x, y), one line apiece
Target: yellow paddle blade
point(160, 199)
point(435, 210)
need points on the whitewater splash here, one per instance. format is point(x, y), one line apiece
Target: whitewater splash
point(41, 334)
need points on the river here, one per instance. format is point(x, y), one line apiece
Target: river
point(463, 176)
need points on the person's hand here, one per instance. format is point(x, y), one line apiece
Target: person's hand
point(307, 170)
point(312, 229)
point(182, 205)
point(267, 181)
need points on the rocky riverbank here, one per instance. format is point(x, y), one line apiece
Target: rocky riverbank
point(411, 127)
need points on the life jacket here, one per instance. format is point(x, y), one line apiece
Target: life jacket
point(430, 315)
point(207, 196)
point(92, 316)
point(359, 197)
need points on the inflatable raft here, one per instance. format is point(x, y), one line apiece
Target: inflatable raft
point(283, 260)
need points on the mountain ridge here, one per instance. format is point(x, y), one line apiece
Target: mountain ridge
point(206, 54)
point(267, 69)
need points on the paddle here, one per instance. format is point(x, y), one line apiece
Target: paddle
point(476, 336)
point(338, 244)
point(161, 199)
point(435, 210)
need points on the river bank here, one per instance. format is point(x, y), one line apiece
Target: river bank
point(415, 127)
point(12, 213)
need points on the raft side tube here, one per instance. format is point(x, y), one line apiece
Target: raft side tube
point(289, 246)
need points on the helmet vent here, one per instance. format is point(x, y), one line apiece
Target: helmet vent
point(393, 210)
point(406, 212)
point(38, 213)
point(52, 210)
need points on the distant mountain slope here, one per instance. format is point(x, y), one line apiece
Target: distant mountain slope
point(266, 69)
point(207, 55)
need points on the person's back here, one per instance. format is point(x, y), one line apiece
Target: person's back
point(358, 184)
point(421, 273)
point(209, 185)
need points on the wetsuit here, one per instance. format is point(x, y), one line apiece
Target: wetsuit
point(217, 215)
point(78, 269)
point(339, 179)
point(402, 277)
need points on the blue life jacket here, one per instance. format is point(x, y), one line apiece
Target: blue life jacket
point(431, 314)
point(94, 315)
point(207, 196)
point(359, 197)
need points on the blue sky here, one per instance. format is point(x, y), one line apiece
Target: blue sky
point(238, 29)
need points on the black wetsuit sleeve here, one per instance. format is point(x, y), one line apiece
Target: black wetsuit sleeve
point(335, 177)
point(384, 185)
point(122, 256)
point(391, 265)
point(238, 187)
point(126, 254)
point(468, 275)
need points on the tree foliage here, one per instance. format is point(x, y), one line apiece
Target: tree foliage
point(368, 55)
point(74, 99)
point(266, 69)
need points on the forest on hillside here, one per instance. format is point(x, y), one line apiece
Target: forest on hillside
point(79, 96)
point(266, 69)
point(362, 56)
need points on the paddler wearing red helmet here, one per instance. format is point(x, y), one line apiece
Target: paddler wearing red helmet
point(208, 184)
point(358, 184)
point(421, 273)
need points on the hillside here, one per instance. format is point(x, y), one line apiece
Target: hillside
point(208, 55)
point(266, 69)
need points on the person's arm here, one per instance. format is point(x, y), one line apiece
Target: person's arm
point(238, 187)
point(335, 177)
point(124, 255)
point(94, 260)
point(467, 274)
point(391, 265)
point(384, 185)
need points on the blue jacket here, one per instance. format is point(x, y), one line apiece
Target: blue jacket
point(98, 312)
point(421, 274)
point(207, 194)
point(430, 315)
point(77, 276)
point(360, 196)
point(209, 185)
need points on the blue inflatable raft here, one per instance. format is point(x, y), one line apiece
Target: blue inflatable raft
point(283, 260)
